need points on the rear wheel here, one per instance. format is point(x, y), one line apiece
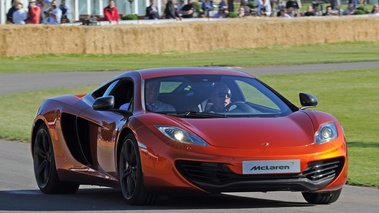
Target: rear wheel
point(322, 197)
point(130, 174)
point(44, 165)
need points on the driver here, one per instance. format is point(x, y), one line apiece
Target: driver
point(219, 99)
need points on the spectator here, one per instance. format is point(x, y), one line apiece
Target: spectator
point(375, 10)
point(152, 11)
point(264, 8)
point(317, 10)
point(349, 10)
point(246, 8)
point(329, 11)
point(170, 11)
point(111, 12)
point(292, 4)
point(54, 14)
point(222, 13)
point(65, 11)
point(11, 11)
point(222, 4)
point(241, 12)
point(34, 14)
point(283, 14)
point(291, 12)
point(207, 6)
point(19, 16)
point(310, 11)
point(188, 10)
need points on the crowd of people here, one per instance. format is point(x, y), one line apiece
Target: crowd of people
point(38, 12)
point(49, 12)
point(283, 9)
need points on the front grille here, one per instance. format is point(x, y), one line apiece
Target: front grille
point(320, 170)
point(219, 178)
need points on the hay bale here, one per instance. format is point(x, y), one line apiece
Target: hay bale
point(251, 32)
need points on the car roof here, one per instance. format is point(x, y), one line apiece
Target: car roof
point(178, 71)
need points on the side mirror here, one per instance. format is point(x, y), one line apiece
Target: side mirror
point(103, 103)
point(307, 100)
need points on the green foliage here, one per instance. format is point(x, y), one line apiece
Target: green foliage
point(251, 5)
point(361, 10)
point(232, 15)
point(197, 6)
point(129, 17)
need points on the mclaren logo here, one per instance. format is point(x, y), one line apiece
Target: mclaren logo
point(265, 167)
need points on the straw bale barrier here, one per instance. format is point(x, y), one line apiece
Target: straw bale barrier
point(184, 36)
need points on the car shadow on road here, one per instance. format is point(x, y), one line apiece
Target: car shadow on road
point(102, 199)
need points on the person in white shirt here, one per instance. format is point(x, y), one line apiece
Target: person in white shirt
point(264, 8)
point(19, 16)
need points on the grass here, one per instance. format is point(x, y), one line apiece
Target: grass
point(305, 54)
point(352, 96)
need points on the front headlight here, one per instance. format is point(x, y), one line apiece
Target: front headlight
point(326, 133)
point(180, 135)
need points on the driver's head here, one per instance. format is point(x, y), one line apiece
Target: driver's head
point(152, 91)
point(220, 96)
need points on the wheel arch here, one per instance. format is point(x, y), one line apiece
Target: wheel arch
point(36, 126)
point(121, 137)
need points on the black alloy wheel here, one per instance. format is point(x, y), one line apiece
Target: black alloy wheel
point(130, 174)
point(44, 165)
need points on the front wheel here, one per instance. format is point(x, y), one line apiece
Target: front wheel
point(44, 165)
point(322, 197)
point(130, 174)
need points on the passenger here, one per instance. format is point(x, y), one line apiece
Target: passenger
point(151, 98)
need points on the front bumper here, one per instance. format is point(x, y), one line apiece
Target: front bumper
point(217, 177)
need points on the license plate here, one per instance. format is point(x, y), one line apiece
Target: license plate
point(270, 166)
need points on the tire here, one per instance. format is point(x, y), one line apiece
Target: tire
point(322, 197)
point(44, 165)
point(130, 174)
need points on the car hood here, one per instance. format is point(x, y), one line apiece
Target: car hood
point(288, 131)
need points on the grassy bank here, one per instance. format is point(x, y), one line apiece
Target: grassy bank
point(305, 54)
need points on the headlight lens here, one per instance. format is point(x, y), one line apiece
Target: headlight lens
point(180, 135)
point(326, 133)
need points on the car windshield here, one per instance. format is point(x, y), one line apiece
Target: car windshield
point(213, 96)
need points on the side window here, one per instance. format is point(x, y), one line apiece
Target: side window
point(121, 90)
point(123, 94)
point(102, 91)
point(110, 88)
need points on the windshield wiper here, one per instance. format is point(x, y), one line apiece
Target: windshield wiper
point(194, 114)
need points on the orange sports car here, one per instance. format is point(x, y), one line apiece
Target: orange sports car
point(170, 130)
